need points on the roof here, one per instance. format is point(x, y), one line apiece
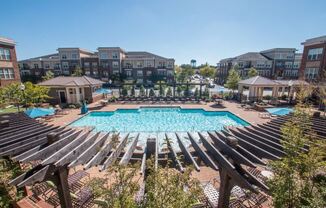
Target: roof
point(292, 82)
point(111, 48)
point(7, 41)
point(317, 40)
point(76, 48)
point(71, 81)
point(50, 56)
point(142, 54)
point(258, 80)
point(251, 56)
point(278, 49)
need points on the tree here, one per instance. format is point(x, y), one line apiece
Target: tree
point(12, 94)
point(151, 93)
point(169, 92)
point(133, 91)
point(196, 94)
point(124, 91)
point(206, 92)
point(77, 72)
point(179, 90)
point(165, 188)
point(120, 193)
point(183, 72)
point(35, 93)
point(252, 72)
point(142, 90)
point(48, 75)
point(207, 71)
point(299, 177)
point(232, 80)
point(161, 91)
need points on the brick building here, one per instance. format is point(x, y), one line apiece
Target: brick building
point(313, 63)
point(105, 64)
point(9, 71)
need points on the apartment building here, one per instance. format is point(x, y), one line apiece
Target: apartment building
point(276, 63)
point(9, 71)
point(313, 63)
point(107, 63)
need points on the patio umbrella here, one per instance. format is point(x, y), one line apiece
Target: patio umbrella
point(39, 112)
point(103, 91)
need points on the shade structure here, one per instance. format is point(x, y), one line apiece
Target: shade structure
point(103, 91)
point(39, 112)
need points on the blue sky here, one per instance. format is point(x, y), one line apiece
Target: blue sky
point(205, 30)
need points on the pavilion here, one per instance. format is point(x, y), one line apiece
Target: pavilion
point(257, 85)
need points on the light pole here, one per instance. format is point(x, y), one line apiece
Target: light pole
point(22, 88)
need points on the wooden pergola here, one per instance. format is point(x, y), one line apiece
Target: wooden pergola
point(59, 148)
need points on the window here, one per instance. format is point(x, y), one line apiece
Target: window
point(105, 65)
point(86, 64)
point(288, 65)
point(139, 64)
point(105, 73)
point(47, 66)
point(149, 73)
point(311, 73)
point(315, 53)
point(57, 66)
point(35, 66)
point(115, 64)
point(65, 65)
point(94, 64)
point(114, 55)
point(74, 56)
point(4, 54)
point(129, 73)
point(7, 74)
point(139, 73)
point(64, 56)
point(87, 72)
point(128, 65)
point(104, 55)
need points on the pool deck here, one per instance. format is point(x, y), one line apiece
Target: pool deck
point(250, 116)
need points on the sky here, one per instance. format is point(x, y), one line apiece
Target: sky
point(204, 30)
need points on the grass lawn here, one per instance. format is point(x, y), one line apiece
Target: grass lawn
point(10, 110)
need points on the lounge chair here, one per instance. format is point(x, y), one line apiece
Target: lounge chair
point(211, 194)
point(264, 115)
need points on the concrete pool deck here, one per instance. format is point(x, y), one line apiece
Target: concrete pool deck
point(250, 116)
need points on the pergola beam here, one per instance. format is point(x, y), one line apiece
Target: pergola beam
point(186, 153)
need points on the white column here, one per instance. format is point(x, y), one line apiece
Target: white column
point(77, 95)
point(283, 90)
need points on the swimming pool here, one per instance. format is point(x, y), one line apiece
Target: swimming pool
point(159, 120)
point(279, 111)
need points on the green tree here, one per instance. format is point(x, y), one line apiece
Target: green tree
point(179, 90)
point(196, 94)
point(12, 94)
point(77, 72)
point(124, 91)
point(169, 92)
point(132, 92)
point(165, 188)
point(252, 72)
point(299, 177)
point(142, 90)
point(120, 193)
point(207, 71)
point(184, 72)
point(48, 75)
point(34, 93)
point(162, 91)
point(151, 93)
point(233, 79)
point(206, 92)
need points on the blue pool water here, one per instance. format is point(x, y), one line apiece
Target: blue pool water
point(159, 120)
point(279, 111)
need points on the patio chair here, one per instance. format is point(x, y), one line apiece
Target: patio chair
point(84, 198)
point(264, 115)
point(211, 194)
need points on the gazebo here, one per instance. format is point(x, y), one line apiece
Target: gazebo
point(257, 85)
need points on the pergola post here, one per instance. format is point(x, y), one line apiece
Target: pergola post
point(63, 188)
point(225, 189)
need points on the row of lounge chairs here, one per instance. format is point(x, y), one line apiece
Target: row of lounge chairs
point(163, 100)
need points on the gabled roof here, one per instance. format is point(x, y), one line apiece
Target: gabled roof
point(142, 54)
point(250, 56)
point(71, 81)
point(258, 81)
